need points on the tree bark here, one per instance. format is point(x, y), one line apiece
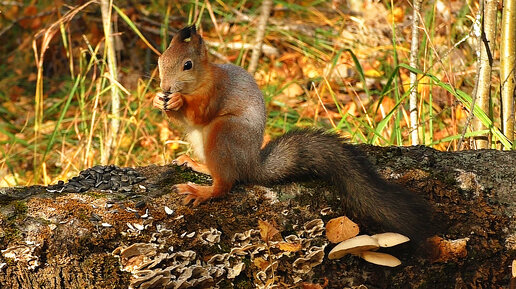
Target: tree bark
point(70, 240)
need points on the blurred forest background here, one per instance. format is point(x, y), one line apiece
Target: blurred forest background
point(341, 65)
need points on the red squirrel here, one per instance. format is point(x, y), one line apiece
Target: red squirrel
point(222, 111)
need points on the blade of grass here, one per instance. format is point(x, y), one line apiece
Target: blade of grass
point(466, 100)
point(61, 116)
point(135, 29)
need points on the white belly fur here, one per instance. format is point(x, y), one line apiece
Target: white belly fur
point(196, 140)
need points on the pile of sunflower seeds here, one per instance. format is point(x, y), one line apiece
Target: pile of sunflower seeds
point(104, 178)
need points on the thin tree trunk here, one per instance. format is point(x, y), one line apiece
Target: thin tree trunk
point(414, 51)
point(106, 6)
point(260, 33)
point(486, 45)
point(507, 67)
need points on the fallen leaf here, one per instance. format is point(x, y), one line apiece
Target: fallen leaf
point(289, 247)
point(340, 229)
point(267, 230)
point(443, 250)
point(260, 263)
point(397, 15)
point(293, 90)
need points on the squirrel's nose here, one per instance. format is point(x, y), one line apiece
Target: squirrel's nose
point(165, 86)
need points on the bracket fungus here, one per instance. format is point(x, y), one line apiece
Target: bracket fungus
point(210, 237)
point(305, 264)
point(314, 228)
point(24, 253)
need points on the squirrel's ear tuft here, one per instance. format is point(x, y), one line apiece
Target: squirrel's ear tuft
point(185, 34)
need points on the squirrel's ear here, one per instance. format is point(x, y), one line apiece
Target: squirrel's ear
point(185, 35)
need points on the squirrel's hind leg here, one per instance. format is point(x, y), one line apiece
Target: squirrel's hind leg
point(189, 162)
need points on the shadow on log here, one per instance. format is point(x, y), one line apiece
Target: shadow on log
point(116, 227)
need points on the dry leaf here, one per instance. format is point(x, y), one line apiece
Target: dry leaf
point(293, 90)
point(260, 263)
point(340, 229)
point(447, 250)
point(397, 15)
point(267, 230)
point(513, 268)
point(289, 247)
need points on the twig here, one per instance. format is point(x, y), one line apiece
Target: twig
point(266, 49)
point(260, 33)
point(10, 25)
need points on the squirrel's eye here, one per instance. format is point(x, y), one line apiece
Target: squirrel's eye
point(188, 65)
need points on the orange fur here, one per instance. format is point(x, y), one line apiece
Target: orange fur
point(200, 108)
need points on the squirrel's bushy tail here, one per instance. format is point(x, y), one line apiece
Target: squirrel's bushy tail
point(305, 154)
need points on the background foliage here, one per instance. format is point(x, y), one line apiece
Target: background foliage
point(335, 64)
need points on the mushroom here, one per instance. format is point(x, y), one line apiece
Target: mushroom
point(354, 245)
point(379, 258)
point(390, 239)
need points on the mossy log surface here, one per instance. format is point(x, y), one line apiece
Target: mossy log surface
point(68, 240)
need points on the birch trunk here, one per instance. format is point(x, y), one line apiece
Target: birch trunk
point(486, 45)
point(507, 67)
point(112, 134)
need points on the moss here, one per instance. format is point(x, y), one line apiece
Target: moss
point(10, 233)
point(20, 208)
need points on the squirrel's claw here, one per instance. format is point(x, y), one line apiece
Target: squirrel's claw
point(174, 101)
point(196, 193)
point(185, 160)
point(165, 101)
point(158, 102)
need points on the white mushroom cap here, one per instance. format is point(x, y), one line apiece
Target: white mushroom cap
point(380, 258)
point(353, 245)
point(390, 239)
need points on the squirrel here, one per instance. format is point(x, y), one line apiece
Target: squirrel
point(222, 111)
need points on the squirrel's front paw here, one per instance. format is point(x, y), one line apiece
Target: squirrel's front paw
point(165, 101)
point(185, 160)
